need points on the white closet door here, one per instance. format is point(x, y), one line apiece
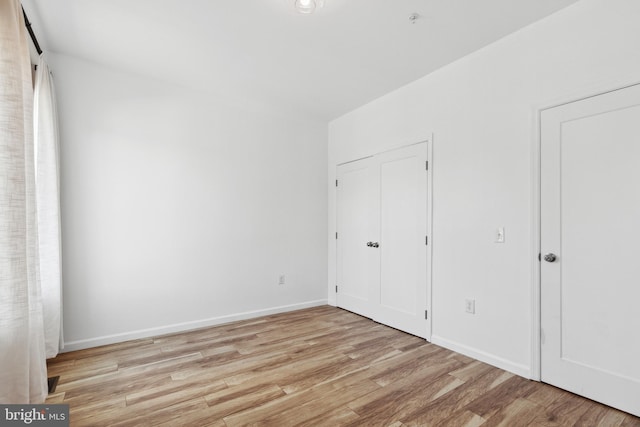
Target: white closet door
point(354, 228)
point(590, 234)
point(381, 247)
point(401, 218)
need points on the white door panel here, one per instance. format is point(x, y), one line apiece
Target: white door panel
point(590, 218)
point(382, 201)
point(403, 256)
point(354, 230)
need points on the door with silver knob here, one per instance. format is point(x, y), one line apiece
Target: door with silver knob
point(382, 224)
point(353, 244)
point(590, 205)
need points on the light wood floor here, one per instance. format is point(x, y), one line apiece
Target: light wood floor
point(322, 366)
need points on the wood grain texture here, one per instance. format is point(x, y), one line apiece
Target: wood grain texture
point(316, 367)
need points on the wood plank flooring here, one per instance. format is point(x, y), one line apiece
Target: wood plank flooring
point(322, 366)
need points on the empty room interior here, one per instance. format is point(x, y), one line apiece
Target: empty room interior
point(320, 212)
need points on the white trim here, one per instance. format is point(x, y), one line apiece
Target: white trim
point(400, 146)
point(599, 88)
point(592, 92)
point(333, 293)
point(518, 369)
point(332, 243)
point(351, 161)
point(185, 326)
point(535, 248)
point(429, 143)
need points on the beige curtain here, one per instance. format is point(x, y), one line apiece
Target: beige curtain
point(23, 374)
point(45, 131)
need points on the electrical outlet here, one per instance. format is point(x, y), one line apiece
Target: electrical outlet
point(470, 306)
point(281, 280)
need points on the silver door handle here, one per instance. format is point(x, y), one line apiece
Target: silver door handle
point(550, 257)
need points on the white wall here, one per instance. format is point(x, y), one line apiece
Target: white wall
point(482, 111)
point(181, 209)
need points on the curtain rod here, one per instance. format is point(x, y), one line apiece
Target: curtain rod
point(33, 36)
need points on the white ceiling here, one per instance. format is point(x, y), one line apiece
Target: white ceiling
point(326, 64)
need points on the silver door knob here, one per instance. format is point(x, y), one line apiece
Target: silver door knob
point(550, 257)
point(375, 244)
point(369, 244)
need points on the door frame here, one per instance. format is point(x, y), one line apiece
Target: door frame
point(429, 147)
point(536, 203)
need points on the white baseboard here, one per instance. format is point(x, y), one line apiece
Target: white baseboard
point(186, 326)
point(507, 365)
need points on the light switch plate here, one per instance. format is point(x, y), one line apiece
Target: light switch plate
point(470, 306)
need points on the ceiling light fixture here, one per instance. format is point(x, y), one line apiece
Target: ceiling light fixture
point(307, 7)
